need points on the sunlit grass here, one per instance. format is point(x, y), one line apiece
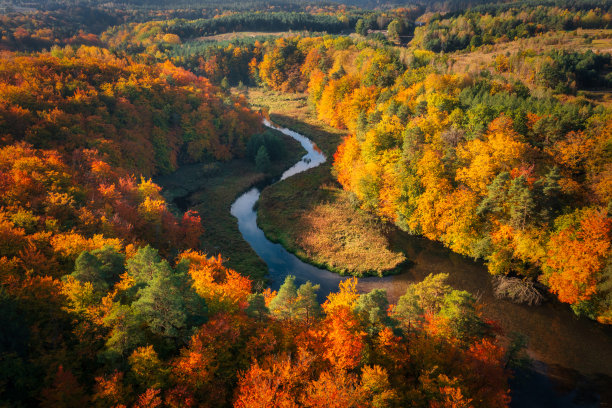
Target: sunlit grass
point(294, 112)
point(316, 220)
point(483, 58)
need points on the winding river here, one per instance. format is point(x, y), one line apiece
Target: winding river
point(572, 356)
point(280, 261)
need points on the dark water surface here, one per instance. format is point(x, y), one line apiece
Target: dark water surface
point(572, 356)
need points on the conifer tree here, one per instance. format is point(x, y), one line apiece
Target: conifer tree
point(308, 307)
point(284, 303)
point(262, 159)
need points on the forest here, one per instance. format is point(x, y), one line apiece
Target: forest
point(450, 34)
point(476, 162)
point(486, 127)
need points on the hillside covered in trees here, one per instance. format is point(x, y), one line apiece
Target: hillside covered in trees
point(488, 130)
point(106, 300)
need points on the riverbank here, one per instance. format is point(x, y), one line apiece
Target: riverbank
point(293, 112)
point(574, 354)
point(210, 189)
point(315, 219)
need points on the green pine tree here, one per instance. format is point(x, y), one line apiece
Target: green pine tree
point(262, 159)
point(307, 304)
point(284, 303)
point(257, 306)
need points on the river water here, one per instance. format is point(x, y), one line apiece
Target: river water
point(572, 357)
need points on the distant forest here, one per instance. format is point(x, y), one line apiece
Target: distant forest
point(442, 5)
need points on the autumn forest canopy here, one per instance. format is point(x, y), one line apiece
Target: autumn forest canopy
point(484, 126)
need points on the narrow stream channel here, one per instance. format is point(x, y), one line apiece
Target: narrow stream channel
point(572, 356)
point(280, 261)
